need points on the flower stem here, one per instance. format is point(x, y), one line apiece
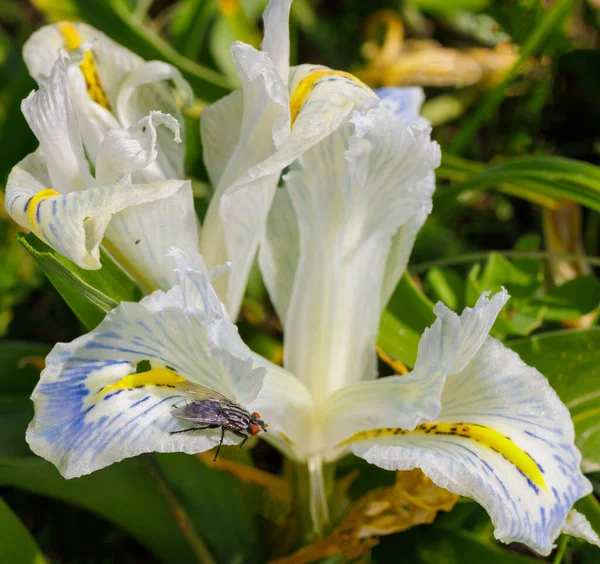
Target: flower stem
point(562, 548)
point(311, 484)
point(319, 509)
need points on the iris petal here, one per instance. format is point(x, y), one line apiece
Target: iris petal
point(502, 437)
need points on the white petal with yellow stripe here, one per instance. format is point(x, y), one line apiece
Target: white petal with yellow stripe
point(91, 407)
point(50, 115)
point(74, 224)
point(238, 132)
point(279, 117)
point(53, 193)
point(403, 402)
point(111, 86)
point(320, 101)
point(501, 436)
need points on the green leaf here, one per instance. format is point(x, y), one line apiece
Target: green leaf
point(540, 178)
point(408, 313)
point(239, 25)
point(449, 6)
point(220, 42)
point(89, 293)
point(570, 361)
point(20, 365)
point(499, 271)
point(571, 299)
point(126, 494)
point(448, 286)
point(520, 320)
point(473, 288)
point(435, 545)
point(522, 279)
point(398, 339)
point(553, 18)
point(410, 305)
point(16, 139)
point(189, 27)
point(181, 509)
point(590, 507)
point(530, 266)
point(214, 503)
point(16, 543)
point(172, 503)
point(115, 19)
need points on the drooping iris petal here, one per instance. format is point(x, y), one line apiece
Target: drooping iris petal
point(276, 43)
point(54, 194)
point(280, 252)
point(145, 90)
point(350, 194)
point(93, 409)
point(502, 437)
point(401, 402)
point(112, 62)
point(282, 401)
point(317, 102)
point(264, 119)
point(143, 233)
point(578, 526)
point(405, 104)
point(74, 224)
point(111, 87)
point(220, 130)
point(129, 150)
point(396, 401)
point(49, 112)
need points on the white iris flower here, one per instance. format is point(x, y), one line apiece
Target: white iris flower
point(99, 103)
point(471, 414)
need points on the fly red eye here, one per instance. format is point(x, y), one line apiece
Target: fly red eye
point(255, 429)
point(256, 415)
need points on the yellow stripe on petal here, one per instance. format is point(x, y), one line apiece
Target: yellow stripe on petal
point(88, 66)
point(70, 35)
point(154, 377)
point(308, 83)
point(33, 204)
point(481, 434)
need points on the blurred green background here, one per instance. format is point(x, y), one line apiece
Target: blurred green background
point(512, 92)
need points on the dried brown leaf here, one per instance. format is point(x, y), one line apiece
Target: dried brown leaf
point(413, 500)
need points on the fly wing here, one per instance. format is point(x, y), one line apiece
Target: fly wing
point(202, 412)
point(197, 392)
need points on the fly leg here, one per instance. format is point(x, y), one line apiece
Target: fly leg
point(245, 437)
point(193, 429)
point(220, 443)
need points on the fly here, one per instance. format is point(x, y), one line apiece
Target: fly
point(213, 410)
